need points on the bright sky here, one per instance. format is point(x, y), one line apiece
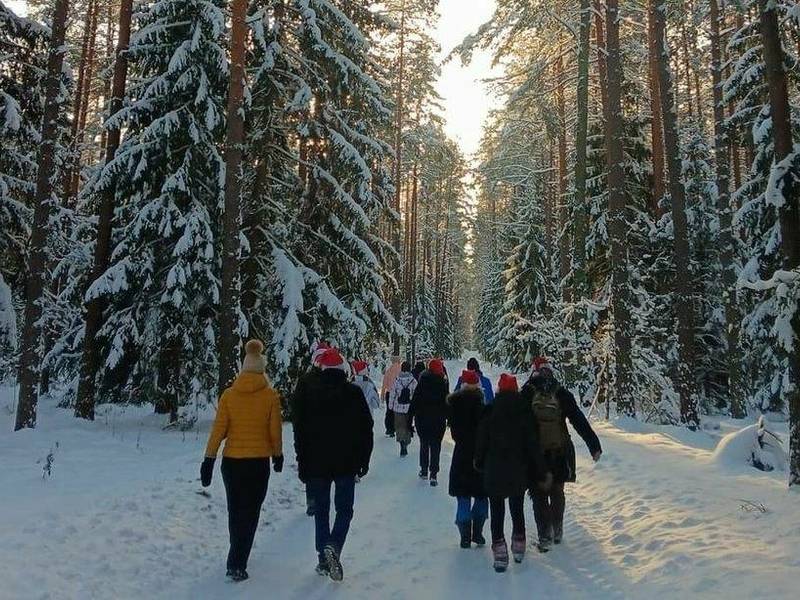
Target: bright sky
point(466, 99)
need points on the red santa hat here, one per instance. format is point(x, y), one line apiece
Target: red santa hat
point(317, 350)
point(331, 359)
point(359, 366)
point(436, 366)
point(542, 363)
point(507, 383)
point(470, 378)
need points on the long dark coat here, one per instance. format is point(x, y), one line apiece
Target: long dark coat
point(508, 446)
point(561, 462)
point(429, 406)
point(465, 408)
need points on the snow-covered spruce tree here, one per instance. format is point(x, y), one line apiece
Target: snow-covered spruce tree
point(347, 187)
point(768, 308)
point(162, 285)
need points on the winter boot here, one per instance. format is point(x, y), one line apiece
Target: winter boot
point(500, 552)
point(237, 575)
point(477, 532)
point(403, 449)
point(322, 568)
point(544, 545)
point(335, 570)
point(518, 547)
point(558, 533)
point(423, 474)
point(434, 480)
point(465, 529)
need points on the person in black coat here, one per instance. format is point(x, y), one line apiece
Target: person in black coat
point(429, 409)
point(333, 442)
point(418, 369)
point(465, 410)
point(552, 406)
point(507, 445)
point(308, 386)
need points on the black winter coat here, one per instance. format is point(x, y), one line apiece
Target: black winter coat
point(561, 462)
point(332, 426)
point(465, 408)
point(429, 406)
point(508, 446)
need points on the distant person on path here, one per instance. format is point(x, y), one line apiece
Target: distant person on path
point(389, 377)
point(362, 379)
point(419, 367)
point(249, 420)
point(309, 385)
point(400, 403)
point(465, 410)
point(507, 446)
point(552, 405)
point(333, 441)
point(486, 384)
point(429, 409)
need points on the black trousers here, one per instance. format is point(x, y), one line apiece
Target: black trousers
point(548, 509)
point(246, 481)
point(516, 506)
point(429, 453)
point(388, 420)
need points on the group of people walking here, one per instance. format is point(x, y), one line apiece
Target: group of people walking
point(505, 444)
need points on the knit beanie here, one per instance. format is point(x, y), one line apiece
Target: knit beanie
point(470, 378)
point(542, 363)
point(359, 366)
point(507, 383)
point(317, 350)
point(254, 361)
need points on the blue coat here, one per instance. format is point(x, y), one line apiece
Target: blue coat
point(486, 384)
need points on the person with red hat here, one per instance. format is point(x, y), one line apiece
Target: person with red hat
point(553, 405)
point(308, 384)
point(507, 445)
point(465, 410)
point(362, 379)
point(429, 410)
point(333, 442)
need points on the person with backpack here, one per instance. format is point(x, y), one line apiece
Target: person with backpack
point(333, 442)
point(465, 410)
point(400, 404)
point(309, 385)
point(429, 410)
point(506, 448)
point(362, 379)
point(486, 384)
point(552, 406)
point(249, 420)
point(389, 377)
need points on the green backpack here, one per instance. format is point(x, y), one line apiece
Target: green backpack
point(553, 433)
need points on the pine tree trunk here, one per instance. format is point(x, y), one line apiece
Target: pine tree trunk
point(561, 206)
point(398, 166)
point(600, 42)
point(656, 129)
point(581, 219)
point(617, 226)
point(683, 305)
point(733, 357)
point(790, 212)
point(228, 334)
point(37, 250)
point(90, 359)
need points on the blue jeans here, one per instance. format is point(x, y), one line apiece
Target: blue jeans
point(343, 499)
point(467, 511)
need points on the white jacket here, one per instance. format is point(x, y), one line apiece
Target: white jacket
point(404, 380)
point(370, 391)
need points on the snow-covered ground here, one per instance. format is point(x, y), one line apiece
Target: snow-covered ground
point(120, 516)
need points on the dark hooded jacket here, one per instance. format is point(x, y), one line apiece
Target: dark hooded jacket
point(561, 461)
point(429, 406)
point(465, 410)
point(332, 427)
point(507, 446)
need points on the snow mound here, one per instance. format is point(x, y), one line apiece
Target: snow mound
point(754, 445)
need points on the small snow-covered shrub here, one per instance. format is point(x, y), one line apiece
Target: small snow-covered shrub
point(755, 445)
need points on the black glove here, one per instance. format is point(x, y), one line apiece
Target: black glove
point(362, 472)
point(206, 471)
point(277, 463)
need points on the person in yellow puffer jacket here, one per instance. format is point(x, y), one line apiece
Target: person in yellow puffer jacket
point(249, 420)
